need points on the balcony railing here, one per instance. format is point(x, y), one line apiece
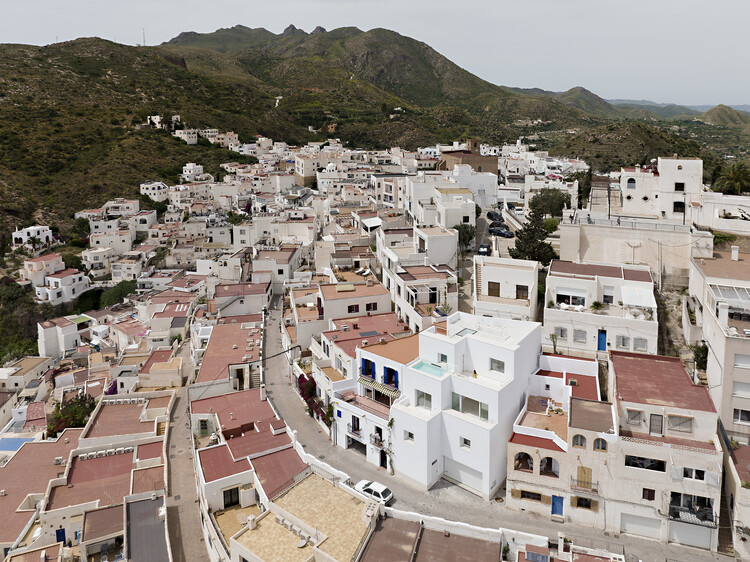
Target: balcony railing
point(584, 485)
point(703, 516)
point(376, 440)
point(355, 432)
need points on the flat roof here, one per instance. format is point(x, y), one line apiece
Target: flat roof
point(119, 419)
point(102, 523)
point(741, 460)
point(241, 289)
point(723, 267)
point(393, 540)
point(275, 469)
point(402, 350)
point(235, 409)
point(657, 380)
point(147, 533)
point(158, 356)
point(334, 291)
point(27, 364)
point(567, 268)
point(535, 442)
point(228, 345)
point(437, 545)
point(217, 463)
point(591, 415)
point(106, 479)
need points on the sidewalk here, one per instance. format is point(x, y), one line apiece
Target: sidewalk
point(444, 499)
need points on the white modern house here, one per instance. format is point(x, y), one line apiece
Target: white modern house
point(592, 308)
point(505, 288)
point(63, 286)
point(32, 237)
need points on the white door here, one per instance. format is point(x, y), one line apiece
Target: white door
point(643, 526)
point(690, 535)
point(463, 474)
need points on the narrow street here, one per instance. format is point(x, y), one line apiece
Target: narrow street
point(444, 499)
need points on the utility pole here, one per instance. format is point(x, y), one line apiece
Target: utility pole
point(609, 204)
point(144, 36)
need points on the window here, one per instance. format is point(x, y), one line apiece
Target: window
point(741, 360)
point(424, 400)
point(623, 342)
point(741, 416)
point(631, 183)
point(579, 441)
point(497, 365)
point(678, 207)
point(353, 308)
point(280, 271)
point(693, 473)
point(634, 417)
point(371, 306)
point(467, 405)
point(204, 425)
point(649, 494)
point(231, 497)
point(640, 344)
point(408, 436)
point(466, 219)
point(442, 358)
point(561, 333)
point(680, 423)
point(493, 289)
point(647, 464)
point(573, 297)
point(679, 186)
point(522, 292)
point(584, 503)
point(608, 296)
point(465, 443)
point(338, 413)
point(531, 496)
point(579, 336)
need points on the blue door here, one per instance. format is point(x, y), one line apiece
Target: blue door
point(60, 535)
point(557, 505)
point(602, 344)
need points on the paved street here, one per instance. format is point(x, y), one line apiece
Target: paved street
point(444, 499)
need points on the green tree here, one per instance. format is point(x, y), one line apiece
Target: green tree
point(466, 234)
point(530, 241)
point(82, 227)
point(477, 210)
point(550, 201)
point(71, 413)
point(550, 225)
point(734, 179)
point(72, 261)
point(116, 294)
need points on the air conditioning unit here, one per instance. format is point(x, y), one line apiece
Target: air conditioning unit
point(58, 460)
point(129, 449)
point(141, 400)
point(2, 492)
point(83, 457)
point(100, 454)
point(110, 452)
point(120, 451)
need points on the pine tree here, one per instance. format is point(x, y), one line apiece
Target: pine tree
point(530, 242)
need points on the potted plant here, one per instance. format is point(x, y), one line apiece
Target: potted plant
point(596, 306)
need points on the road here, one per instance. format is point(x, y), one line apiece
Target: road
point(444, 499)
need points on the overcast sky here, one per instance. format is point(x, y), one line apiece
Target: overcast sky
point(681, 51)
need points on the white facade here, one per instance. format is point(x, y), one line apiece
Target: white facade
point(65, 286)
point(41, 235)
point(505, 288)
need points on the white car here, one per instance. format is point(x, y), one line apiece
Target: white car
point(375, 490)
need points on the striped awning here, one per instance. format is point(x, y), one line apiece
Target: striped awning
point(380, 387)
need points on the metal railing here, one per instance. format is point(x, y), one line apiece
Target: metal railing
point(376, 440)
point(352, 431)
point(585, 485)
point(704, 517)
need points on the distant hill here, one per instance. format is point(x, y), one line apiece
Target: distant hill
point(725, 116)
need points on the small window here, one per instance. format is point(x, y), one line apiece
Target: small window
point(631, 183)
point(424, 400)
point(338, 413)
point(608, 295)
point(466, 219)
point(583, 503)
point(561, 333)
point(680, 423)
point(465, 443)
point(280, 271)
point(693, 473)
point(600, 445)
point(579, 336)
point(579, 441)
point(531, 496)
point(371, 306)
point(640, 344)
point(741, 416)
point(679, 186)
point(522, 292)
point(634, 417)
point(408, 436)
point(649, 494)
point(442, 358)
point(493, 289)
point(497, 365)
point(623, 342)
point(678, 207)
point(353, 308)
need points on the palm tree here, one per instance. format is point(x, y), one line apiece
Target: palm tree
point(734, 179)
point(35, 242)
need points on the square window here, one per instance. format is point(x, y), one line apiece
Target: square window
point(634, 417)
point(465, 443)
point(623, 342)
point(584, 503)
point(497, 365)
point(531, 496)
point(649, 494)
point(442, 358)
point(561, 333)
point(408, 436)
point(579, 336)
point(640, 344)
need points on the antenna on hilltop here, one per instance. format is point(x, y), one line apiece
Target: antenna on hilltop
point(144, 36)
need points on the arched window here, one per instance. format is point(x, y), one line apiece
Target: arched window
point(631, 183)
point(523, 462)
point(549, 467)
point(600, 445)
point(679, 167)
point(579, 441)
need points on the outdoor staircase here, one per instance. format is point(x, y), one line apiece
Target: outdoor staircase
point(161, 428)
point(255, 378)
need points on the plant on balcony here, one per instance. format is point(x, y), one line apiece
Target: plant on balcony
point(596, 306)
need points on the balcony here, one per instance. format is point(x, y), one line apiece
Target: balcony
point(355, 432)
point(376, 440)
point(702, 516)
point(584, 485)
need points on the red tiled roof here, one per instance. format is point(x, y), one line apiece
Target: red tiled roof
point(148, 479)
point(149, 451)
point(48, 257)
point(159, 356)
point(35, 416)
point(252, 442)
point(659, 380)
point(119, 419)
point(217, 463)
point(106, 479)
point(64, 273)
point(236, 409)
point(277, 468)
point(537, 442)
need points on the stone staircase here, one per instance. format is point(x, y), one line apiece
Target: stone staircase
point(726, 544)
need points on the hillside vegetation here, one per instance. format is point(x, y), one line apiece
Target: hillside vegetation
point(725, 116)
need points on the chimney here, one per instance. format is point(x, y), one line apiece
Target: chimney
point(723, 314)
point(735, 253)
point(294, 439)
point(263, 391)
point(364, 343)
point(231, 415)
point(251, 522)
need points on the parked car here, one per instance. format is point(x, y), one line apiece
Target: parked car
point(498, 224)
point(502, 232)
point(494, 216)
point(519, 211)
point(484, 250)
point(375, 490)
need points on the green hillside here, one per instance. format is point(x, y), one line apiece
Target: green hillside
point(725, 116)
